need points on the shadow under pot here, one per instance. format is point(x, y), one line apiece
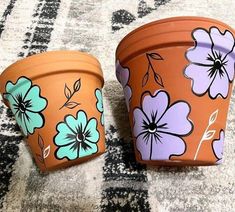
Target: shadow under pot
point(177, 76)
point(56, 98)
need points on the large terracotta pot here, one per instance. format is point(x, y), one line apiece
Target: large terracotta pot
point(177, 75)
point(56, 99)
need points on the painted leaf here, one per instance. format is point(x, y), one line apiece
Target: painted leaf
point(67, 92)
point(39, 157)
point(208, 135)
point(213, 117)
point(158, 79)
point(71, 105)
point(155, 56)
point(46, 152)
point(77, 85)
point(145, 79)
point(40, 142)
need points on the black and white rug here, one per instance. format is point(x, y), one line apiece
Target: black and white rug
point(113, 181)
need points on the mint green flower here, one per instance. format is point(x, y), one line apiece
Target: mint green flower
point(99, 104)
point(26, 104)
point(76, 137)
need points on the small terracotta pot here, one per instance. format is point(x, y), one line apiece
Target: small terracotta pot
point(57, 102)
point(177, 76)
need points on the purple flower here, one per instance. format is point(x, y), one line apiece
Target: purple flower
point(123, 75)
point(212, 62)
point(158, 127)
point(217, 146)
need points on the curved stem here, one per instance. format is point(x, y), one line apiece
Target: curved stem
point(43, 159)
point(67, 100)
point(150, 64)
point(200, 144)
point(148, 68)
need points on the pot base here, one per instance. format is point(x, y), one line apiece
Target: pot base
point(177, 163)
point(65, 164)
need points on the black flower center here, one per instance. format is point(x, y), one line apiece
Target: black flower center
point(22, 107)
point(80, 137)
point(217, 64)
point(152, 128)
point(217, 68)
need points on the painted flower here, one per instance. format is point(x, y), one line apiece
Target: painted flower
point(158, 127)
point(212, 62)
point(26, 104)
point(123, 75)
point(99, 104)
point(76, 137)
point(217, 146)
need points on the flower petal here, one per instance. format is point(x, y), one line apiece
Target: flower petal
point(200, 76)
point(99, 103)
point(230, 65)
point(77, 124)
point(122, 74)
point(143, 144)
point(65, 136)
point(33, 96)
point(91, 149)
point(175, 120)
point(127, 94)
point(219, 161)
point(21, 87)
point(223, 43)
point(139, 120)
point(32, 121)
point(220, 85)
point(218, 146)
point(67, 152)
point(155, 106)
point(12, 102)
point(166, 146)
point(102, 119)
point(20, 121)
point(202, 49)
point(91, 132)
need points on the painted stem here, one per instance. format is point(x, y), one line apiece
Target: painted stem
point(43, 160)
point(148, 68)
point(200, 143)
point(150, 64)
point(67, 100)
point(42, 155)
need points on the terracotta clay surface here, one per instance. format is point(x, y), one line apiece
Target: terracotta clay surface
point(177, 76)
point(56, 98)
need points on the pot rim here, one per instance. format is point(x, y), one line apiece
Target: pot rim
point(73, 60)
point(126, 41)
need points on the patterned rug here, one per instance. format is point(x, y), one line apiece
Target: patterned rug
point(113, 181)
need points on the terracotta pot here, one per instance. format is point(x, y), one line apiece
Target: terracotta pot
point(177, 76)
point(57, 102)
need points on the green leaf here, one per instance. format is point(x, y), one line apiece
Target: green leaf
point(158, 79)
point(39, 157)
point(77, 85)
point(67, 92)
point(71, 105)
point(40, 142)
point(209, 135)
point(155, 56)
point(46, 152)
point(145, 79)
point(213, 117)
